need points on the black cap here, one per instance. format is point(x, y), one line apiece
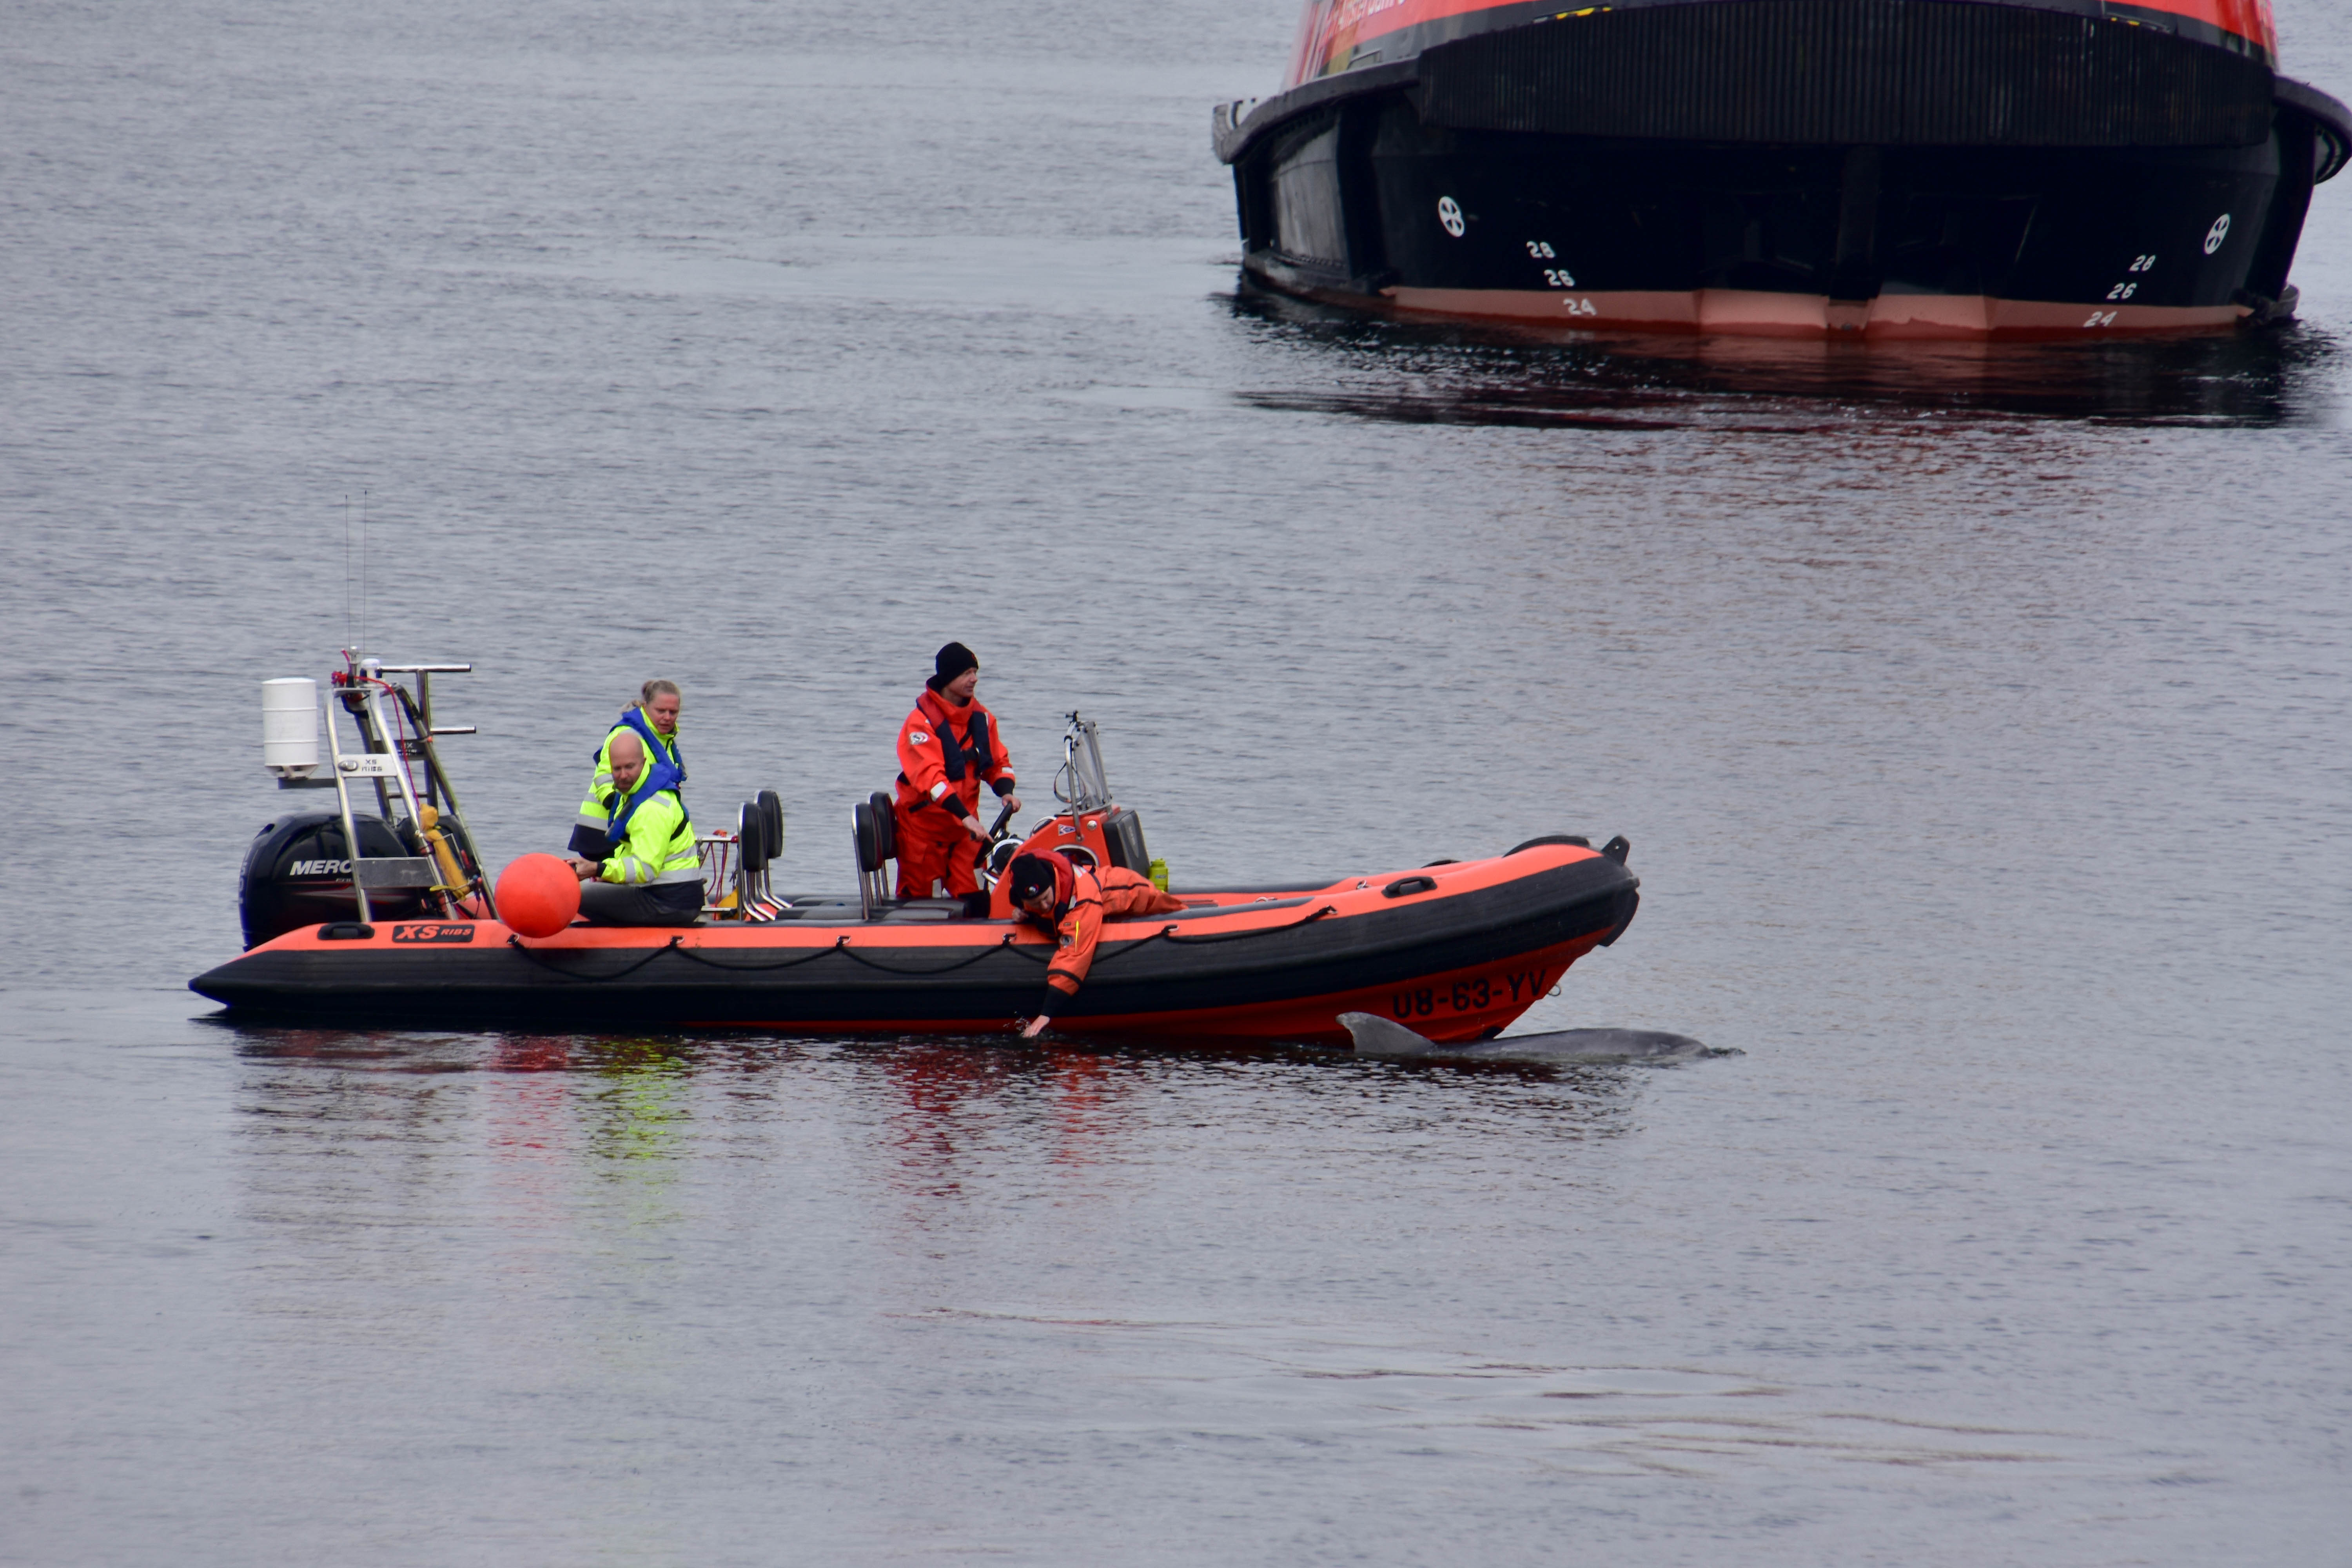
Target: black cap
point(1032, 875)
point(952, 660)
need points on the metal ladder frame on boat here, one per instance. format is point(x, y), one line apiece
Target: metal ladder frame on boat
point(357, 689)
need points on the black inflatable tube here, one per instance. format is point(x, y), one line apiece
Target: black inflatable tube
point(495, 985)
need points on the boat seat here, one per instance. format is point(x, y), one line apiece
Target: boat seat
point(874, 837)
point(1123, 837)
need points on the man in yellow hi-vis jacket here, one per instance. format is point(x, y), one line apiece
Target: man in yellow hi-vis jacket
point(651, 875)
point(653, 719)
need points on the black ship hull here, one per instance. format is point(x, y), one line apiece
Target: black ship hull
point(1931, 174)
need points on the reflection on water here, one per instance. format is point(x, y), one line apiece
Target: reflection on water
point(1427, 372)
point(932, 1121)
point(635, 1105)
point(955, 1103)
point(640, 1225)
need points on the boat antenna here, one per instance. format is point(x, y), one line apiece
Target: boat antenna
point(364, 565)
point(347, 569)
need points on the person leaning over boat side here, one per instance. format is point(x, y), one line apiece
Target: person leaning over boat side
point(947, 746)
point(1073, 902)
point(653, 719)
point(651, 876)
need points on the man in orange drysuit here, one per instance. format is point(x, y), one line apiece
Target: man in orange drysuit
point(948, 745)
point(1073, 902)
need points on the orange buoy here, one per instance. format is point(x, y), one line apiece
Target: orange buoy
point(537, 895)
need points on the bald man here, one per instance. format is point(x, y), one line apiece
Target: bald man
point(651, 875)
point(653, 719)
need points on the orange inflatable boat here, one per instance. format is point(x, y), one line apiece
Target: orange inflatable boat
point(1456, 950)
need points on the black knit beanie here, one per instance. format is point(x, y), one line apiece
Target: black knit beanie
point(952, 661)
point(1032, 875)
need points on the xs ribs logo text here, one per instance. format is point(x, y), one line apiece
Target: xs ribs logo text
point(433, 933)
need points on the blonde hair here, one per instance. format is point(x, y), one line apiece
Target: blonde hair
point(652, 689)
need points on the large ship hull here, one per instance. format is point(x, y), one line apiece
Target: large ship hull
point(1880, 168)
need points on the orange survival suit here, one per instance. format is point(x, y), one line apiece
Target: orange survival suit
point(944, 752)
point(1084, 897)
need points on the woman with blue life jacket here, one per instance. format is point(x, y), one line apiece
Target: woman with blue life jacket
point(947, 748)
point(653, 719)
point(650, 875)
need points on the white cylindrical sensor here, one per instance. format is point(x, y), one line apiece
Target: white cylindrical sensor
point(290, 725)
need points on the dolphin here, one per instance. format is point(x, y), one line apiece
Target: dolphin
point(1378, 1036)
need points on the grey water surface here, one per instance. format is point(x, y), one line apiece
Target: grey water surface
point(1977, 717)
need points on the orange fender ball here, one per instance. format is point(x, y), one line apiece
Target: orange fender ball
point(537, 895)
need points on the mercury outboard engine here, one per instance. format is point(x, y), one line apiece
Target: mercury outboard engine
point(298, 873)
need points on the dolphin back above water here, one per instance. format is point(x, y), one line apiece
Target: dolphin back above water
point(1379, 1036)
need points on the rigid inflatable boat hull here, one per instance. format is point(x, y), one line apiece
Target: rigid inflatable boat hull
point(1458, 959)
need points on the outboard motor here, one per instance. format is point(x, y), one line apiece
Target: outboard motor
point(298, 873)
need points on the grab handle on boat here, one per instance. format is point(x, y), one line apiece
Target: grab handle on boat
point(1169, 934)
point(1404, 887)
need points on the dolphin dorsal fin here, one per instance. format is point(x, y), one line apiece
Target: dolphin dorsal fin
point(1378, 1036)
